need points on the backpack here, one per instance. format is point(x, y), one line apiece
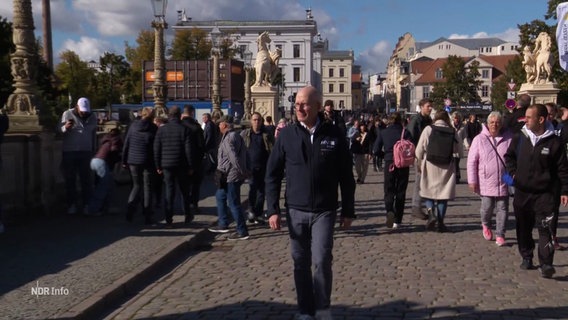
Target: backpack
point(402, 153)
point(440, 149)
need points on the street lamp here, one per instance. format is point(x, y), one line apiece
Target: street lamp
point(215, 34)
point(159, 86)
point(247, 57)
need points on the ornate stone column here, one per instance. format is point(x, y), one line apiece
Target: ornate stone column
point(23, 102)
point(159, 87)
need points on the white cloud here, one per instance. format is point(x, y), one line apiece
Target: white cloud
point(511, 35)
point(375, 59)
point(87, 48)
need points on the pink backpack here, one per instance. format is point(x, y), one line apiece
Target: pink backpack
point(403, 153)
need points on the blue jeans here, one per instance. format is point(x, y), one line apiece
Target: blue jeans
point(230, 199)
point(441, 206)
point(311, 241)
point(75, 163)
point(104, 186)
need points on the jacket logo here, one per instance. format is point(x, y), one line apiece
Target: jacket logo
point(545, 151)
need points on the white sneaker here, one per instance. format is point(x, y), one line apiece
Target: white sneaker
point(324, 315)
point(395, 225)
point(1, 228)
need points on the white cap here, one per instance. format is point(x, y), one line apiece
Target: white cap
point(84, 105)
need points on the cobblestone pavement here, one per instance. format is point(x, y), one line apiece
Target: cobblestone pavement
point(378, 273)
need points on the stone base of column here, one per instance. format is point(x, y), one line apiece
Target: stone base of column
point(540, 93)
point(265, 102)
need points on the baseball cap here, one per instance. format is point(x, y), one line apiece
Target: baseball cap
point(84, 105)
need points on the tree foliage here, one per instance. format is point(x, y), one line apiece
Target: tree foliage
point(191, 44)
point(136, 57)
point(113, 79)
point(460, 83)
point(513, 71)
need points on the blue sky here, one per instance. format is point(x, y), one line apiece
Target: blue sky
point(369, 27)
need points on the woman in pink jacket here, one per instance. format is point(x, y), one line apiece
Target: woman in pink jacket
point(485, 167)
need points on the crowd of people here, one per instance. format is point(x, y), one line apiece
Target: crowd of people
point(519, 155)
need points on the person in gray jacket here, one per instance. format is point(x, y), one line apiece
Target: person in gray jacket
point(230, 174)
point(79, 128)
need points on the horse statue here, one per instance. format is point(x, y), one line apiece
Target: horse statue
point(541, 53)
point(266, 64)
point(529, 64)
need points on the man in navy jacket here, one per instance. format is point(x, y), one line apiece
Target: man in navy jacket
point(315, 157)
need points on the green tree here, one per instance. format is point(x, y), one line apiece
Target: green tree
point(191, 44)
point(460, 83)
point(136, 57)
point(75, 77)
point(113, 78)
point(513, 71)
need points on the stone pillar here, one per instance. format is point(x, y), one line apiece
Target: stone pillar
point(22, 104)
point(540, 93)
point(265, 101)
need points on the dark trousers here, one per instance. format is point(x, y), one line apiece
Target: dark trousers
point(311, 242)
point(530, 209)
point(75, 163)
point(256, 191)
point(176, 176)
point(458, 172)
point(395, 185)
point(195, 186)
point(142, 182)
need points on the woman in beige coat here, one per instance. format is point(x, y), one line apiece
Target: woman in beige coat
point(438, 181)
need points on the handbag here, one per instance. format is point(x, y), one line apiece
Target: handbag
point(505, 177)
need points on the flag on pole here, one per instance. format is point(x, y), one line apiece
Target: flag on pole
point(562, 34)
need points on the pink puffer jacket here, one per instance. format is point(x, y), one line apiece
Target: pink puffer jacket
point(483, 165)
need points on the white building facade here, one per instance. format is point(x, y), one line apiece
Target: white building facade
point(294, 37)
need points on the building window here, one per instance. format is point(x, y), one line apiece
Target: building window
point(278, 33)
point(485, 91)
point(488, 49)
point(502, 48)
point(448, 47)
point(341, 72)
point(481, 50)
point(330, 88)
point(341, 87)
point(512, 48)
point(341, 104)
point(296, 51)
point(242, 49)
point(425, 91)
point(331, 72)
point(296, 74)
point(485, 74)
point(439, 73)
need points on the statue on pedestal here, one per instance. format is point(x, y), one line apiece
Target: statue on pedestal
point(266, 64)
point(541, 54)
point(529, 64)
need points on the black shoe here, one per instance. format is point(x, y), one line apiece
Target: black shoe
point(390, 219)
point(188, 218)
point(431, 224)
point(419, 214)
point(441, 228)
point(527, 264)
point(547, 271)
point(149, 221)
point(129, 217)
point(236, 236)
point(218, 229)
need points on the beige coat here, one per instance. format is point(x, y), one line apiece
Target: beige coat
point(438, 182)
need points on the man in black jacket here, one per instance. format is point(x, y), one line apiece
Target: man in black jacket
point(416, 125)
point(536, 159)
point(172, 154)
point(334, 116)
point(314, 155)
point(197, 141)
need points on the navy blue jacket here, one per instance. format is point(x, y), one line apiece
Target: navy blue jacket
point(313, 171)
point(172, 147)
point(387, 138)
point(139, 143)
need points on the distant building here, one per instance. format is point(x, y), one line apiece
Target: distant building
point(336, 71)
point(294, 37)
point(415, 66)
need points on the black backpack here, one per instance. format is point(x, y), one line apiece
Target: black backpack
point(440, 149)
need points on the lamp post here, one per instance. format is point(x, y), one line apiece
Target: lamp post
point(247, 55)
point(215, 38)
point(159, 87)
